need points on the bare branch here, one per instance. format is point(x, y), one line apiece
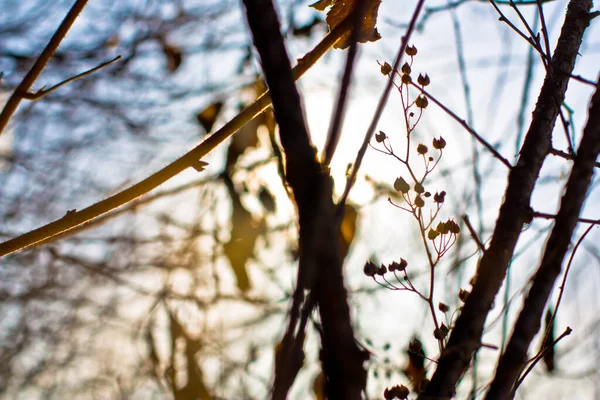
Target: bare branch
point(21, 90)
point(529, 320)
point(42, 92)
point(188, 160)
point(473, 233)
point(513, 212)
point(465, 125)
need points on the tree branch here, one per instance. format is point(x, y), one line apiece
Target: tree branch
point(189, 159)
point(528, 323)
point(466, 335)
point(21, 91)
point(320, 265)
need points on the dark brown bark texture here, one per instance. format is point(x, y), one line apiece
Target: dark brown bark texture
point(320, 266)
point(529, 320)
point(465, 338)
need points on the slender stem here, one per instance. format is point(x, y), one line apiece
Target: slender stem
point(380, 106)
point(544, 28)
point(335, 127)
point(429, 298)
point(461, 121)
point(567, 332)
point(42, 92)
point(473, 233)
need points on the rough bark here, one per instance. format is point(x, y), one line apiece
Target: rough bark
point(529, 320)
point(320, 266)
point(465, 338)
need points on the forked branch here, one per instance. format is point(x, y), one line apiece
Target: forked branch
point(21, 91)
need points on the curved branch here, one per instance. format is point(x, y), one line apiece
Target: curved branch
point(190, 159)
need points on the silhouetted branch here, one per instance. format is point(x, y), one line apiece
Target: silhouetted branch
point(465, 125)
point(468, 330)
point(320, 265)
point(529, 320)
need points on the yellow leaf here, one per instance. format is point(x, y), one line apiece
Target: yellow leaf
point(208, 116)
point(347, 229)
point(319, 386)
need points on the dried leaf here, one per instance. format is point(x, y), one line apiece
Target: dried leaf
point(321, 5)
point(153, 355)
point(112, 41)
point(549, 355)
point(415, 370)
point(208, 116)
point(195, 387)
point(174, 57)
point(175, 328)
point(244, 232)
point(319, 386)
point(347, 229)
point(306, 30)
point(368, 31)
point(247, 137)
point(244, 139)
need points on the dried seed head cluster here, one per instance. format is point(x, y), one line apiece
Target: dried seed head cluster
point(441, 332)
point(371, 269)
point(424, 205)
point(443, 307)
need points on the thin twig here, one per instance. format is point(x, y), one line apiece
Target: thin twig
point(465, 125)
point(189, 159)
point(42, 92)
point(467, 222)
point(567, 156)
point(21, 90)
point(566, 124)
point(539, 356)
point(524, 107)
point(334, 133)
point(535, 37)
point(583, 80)
point(523, 20)
point(537, 214)
point(561, 291)
point(544, 28)
point(543, 351)
point(503, 18)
